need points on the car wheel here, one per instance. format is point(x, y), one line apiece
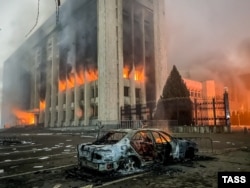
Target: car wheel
point(130, 164)
point(189, 153)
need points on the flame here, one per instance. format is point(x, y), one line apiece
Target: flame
point(42, 105)
point(91, 75)
point(71, 81)
point(23, 117)
point(62, 85)
point(139, 76)
point(77, 79)
point(126, 72)
point(80, 77)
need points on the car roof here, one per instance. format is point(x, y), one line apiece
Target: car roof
point(131, 131)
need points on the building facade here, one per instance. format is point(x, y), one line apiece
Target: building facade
point(100, 56)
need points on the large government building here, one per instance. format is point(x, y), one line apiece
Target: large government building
point(100, 56)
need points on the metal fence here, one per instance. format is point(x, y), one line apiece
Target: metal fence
point(214, 111)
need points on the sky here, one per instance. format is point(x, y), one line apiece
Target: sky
point(17, 20)
point(206, 38)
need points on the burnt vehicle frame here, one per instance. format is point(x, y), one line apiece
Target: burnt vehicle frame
point(131, 149)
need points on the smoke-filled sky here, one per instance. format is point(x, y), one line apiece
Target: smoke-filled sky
point(205, 37)
point(209, 37)
point(17, 18)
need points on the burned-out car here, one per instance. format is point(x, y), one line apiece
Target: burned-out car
point(130, 149)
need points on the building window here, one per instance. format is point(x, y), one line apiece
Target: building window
point(72, 96)
point(137, 92)
point(96, 91)
point(64, 98)
point(82, 94)
point(56, 117)
point(199, 94)
point(56, 100)
point(72, 115)
point(80, 112)
point(126, 91)
point(94, 110)
point(64, 116)
point(192, 93)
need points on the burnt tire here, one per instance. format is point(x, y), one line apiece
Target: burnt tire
point(130, 164)
point(189, 153)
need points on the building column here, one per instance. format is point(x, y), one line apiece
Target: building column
point(77, 109)
point(54, 87)
point(68, 107)
point(71, 58)
point(87, 98)
point(143, 88)
point(60, 108)
point(48, 95)
point(160, 46)
point(110, 62)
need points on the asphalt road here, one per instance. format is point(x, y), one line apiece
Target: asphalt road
point(48, 159)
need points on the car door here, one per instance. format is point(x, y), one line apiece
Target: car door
point(142, 142)
point(175, 145)
point(161, 143)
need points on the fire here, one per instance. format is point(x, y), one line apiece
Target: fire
point(138, 75)
point(91, 75)
point(80, 77)
point(77, 79)
point(42, 105)
point(126, 72)
point(62, 85)
point(23, 117)
point(71, 81)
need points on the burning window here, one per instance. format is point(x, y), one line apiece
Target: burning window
point(42, 105)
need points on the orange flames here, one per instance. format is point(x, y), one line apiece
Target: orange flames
point(23, 117)
point(92, 75)
point(42, 105)
point(138, 75)
point(77, 79)
point(126, 72)
point(62, 85)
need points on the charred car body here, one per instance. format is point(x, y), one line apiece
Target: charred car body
point(130, 149)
